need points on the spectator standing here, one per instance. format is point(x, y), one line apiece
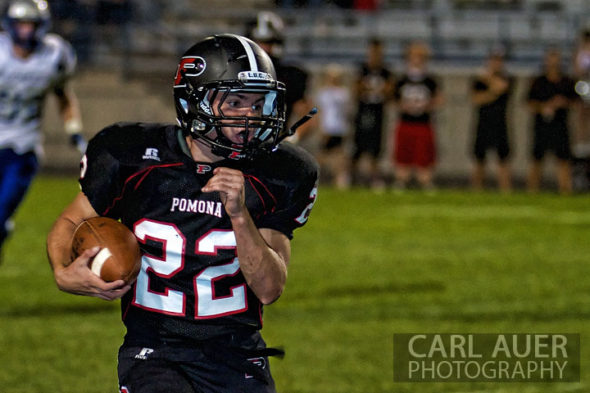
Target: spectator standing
point(417, 95)
point(335, 103)
point(490, 94)
point(372, 89)
point(550, 98)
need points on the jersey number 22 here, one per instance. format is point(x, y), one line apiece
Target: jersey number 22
point(173, 302)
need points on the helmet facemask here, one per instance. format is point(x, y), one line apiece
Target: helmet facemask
point(27, 11)
point(236, 120)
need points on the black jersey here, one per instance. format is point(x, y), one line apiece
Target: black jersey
point(190, 284)
point(543, 90)
point(416, 94)
point(295, 80)
point(492, 115)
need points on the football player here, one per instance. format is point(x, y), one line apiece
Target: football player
point(33, 63)
point(213, 203)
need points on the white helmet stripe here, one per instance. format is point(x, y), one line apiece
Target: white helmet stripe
point(249, 52)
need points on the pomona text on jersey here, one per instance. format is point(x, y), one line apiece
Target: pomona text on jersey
point(196, 206)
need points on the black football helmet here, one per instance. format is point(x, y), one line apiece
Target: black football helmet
point(213, 69)
point(36, 11)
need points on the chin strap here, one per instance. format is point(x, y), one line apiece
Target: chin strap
point(291, 131)
point(302, 121)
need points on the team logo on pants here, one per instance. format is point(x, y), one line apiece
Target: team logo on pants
point(260, 362)
point(144, 353)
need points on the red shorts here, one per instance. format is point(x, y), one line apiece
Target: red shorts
point(414, 145)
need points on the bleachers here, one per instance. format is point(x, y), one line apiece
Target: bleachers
point(460, 31)
point(460, 35)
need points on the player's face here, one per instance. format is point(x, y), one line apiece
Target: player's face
point(496, 64)
point(553, 60)
point(417, 56)
point(239, 104)
point(266, 46)
point(375, 55)
point(25, 29)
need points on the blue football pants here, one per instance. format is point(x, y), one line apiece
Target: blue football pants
point(16, 173)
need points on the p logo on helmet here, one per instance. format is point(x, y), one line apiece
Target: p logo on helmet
point(191, 65)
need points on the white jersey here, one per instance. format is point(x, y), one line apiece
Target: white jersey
point(24, 83)
point(334, 103)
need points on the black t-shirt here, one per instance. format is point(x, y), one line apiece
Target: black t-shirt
point(493, 114)
point(418, 93)
point(295, 80)
point(373, 81)
point(190, 285)
point(543, 90)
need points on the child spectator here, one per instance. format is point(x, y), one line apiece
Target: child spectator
point(417, 96)
point(335, 105)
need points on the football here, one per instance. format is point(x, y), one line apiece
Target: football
point(119, 257)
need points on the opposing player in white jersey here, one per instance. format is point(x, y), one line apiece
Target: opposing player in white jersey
point(32, 64)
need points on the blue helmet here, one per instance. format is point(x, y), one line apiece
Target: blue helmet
point(35, 11)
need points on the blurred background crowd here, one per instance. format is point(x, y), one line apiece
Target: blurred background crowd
point(411, 94)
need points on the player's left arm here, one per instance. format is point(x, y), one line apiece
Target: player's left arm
point(438, 99)
point(67, 101)
point(75, 276)
point(389, 88)
point(263, 253)
point(69, 109)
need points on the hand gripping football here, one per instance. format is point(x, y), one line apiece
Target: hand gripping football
point(119, 257)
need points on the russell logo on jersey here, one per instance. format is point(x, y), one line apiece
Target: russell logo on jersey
point(151, 154)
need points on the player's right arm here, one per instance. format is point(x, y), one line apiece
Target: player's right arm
point(76, 277)
point(101, 184)
point(483, 93)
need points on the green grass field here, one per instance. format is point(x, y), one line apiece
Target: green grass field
point(365, 267)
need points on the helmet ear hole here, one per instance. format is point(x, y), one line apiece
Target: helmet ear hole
point(199, 126)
